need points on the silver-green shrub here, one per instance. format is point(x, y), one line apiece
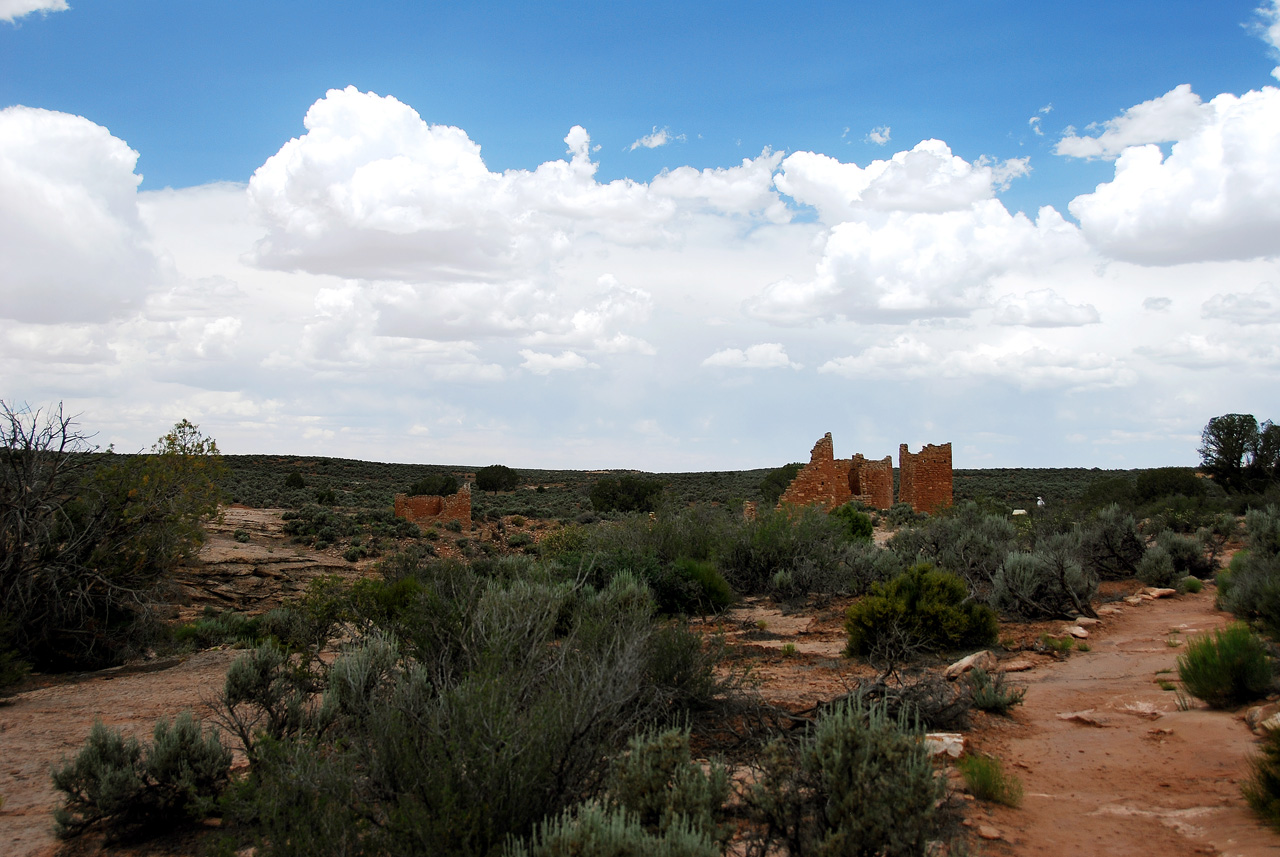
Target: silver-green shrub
point(125, 787)
point(1048, 582)
point(858, 783)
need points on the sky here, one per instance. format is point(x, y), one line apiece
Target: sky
point(670, 237)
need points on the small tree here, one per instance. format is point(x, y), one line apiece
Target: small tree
point(626, 494)
point(434, 485)
point(497, 477)
point(1240, 454)
point(776, 482)
point(85, 540)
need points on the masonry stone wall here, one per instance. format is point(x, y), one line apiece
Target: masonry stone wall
point(925, 477)
point(427, 508)
point(872, 481)
point(823, 481)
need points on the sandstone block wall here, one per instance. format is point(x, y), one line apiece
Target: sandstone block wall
point(872, 481)
point(823, 481)
point(925, 477)
point(427, 509)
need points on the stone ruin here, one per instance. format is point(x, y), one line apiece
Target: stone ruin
point(924, 479)
point(430, 508)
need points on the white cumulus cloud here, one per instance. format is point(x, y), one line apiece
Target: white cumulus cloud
point(371, 190)
point(1173, 116)
point(918, 265)
point(927, 178)
point(766, 355)
point(11, 10)
point(73, 243)
point(1216, 196)
point(879, 135)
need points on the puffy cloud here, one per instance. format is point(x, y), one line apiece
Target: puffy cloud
point(879, 135)
point(1043, 308)
point(741, 190)
point(1173, 116)
point(767, 355)
point(1260, 306)
point(1019, 361)
point(540, 363)
point(373, 191)
point(1157, 304)
point(74, 246)
point(655, 139)
point(919, 265)
point(11, 10)
point(928, 178)
point(1216, 196)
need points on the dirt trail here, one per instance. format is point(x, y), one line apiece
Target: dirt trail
point(1109, 763)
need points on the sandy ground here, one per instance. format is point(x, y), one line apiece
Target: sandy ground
point(1109, 763)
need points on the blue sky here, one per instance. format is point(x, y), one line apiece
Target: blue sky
point(765, 224)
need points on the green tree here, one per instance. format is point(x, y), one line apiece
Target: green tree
point(86, 540)
point(434, 485)
point(497, 477)
point(1229, 444)
point(626, 494)
point(776, 481)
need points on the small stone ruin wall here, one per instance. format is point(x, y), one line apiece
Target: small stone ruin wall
point(429, 508)
point(924, 479)
point(822, 482)
point(872, 481)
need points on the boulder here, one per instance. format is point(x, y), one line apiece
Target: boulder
point(1078, 632)
point(1157, 592)
point(949, 744)
point(983, 659)
point(1087, 621)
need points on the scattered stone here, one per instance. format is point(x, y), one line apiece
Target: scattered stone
point(1078, 632)
point(949, 744)
point(1018, 665)
point(988, 832)
point(1087, 621)
point(983, 659)
point(1135, 600)
point(1157, 592)
point(1085, 718)
point(1142, 708)
point(1259, 714)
